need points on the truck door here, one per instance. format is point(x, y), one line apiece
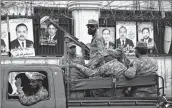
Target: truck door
point(12, 100)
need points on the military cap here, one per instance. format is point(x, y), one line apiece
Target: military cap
point(141, 44)
point(70, 44)
point(37, 76)
point(92, 22)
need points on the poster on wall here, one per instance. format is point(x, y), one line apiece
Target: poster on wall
point(4, 38)
point(49, 35)
point(145, 33)
point(108, 33)
point(126, 36)
point(21, 37)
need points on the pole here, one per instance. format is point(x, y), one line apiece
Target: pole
point(0, 65)
point(67, 71)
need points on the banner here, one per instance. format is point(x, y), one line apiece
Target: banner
point(145, 33)
point(21, 37)
point(126, 36)
point(4, 38)
point(108, 33)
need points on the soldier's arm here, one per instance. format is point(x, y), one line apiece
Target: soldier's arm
point(84, 69)
point(30, 100)
point(94, 62)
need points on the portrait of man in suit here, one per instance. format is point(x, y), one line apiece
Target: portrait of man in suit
point(21, 42)
point(52, 33)
point(123, 41)
point(109, 42)
point(146, 37)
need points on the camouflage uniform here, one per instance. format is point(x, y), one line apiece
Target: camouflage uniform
point(40, 95)
point(33, 98)
point(112, 68)
point(97, 46)
point(75, 73)
point(96, 62)
point(96, 50)
point(143, 66)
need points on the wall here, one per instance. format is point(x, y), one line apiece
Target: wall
point(165, 70)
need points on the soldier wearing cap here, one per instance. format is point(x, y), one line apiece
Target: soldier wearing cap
point(74, 73)
point(97, 45)
point(142, 65)
point(73, 57)
point(39, 92)
point(111, 67)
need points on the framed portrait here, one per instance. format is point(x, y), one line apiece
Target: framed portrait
point(108, 33)
point(145, 33)
point(49, 31)
point(51, 36)
point(21, 37)
point(126, 36)
point(4, 38)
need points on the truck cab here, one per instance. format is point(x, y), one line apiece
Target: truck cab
point(54, 84)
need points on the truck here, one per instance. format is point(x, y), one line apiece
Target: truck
point(57, 90)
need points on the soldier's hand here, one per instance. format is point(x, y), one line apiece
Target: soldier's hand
point(18, 82)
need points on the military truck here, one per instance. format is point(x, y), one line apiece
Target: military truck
point(56, 86)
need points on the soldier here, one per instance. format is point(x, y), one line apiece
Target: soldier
point(97, 45)
point(143, 65)
point(111, 66)
point(39, 94)
point(74, 73)
point(73, 57)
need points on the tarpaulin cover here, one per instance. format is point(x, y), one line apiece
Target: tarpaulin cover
point(137, 81)
point(96, 83)
point(92, 83)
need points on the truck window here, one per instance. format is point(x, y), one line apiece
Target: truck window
point(30, 83)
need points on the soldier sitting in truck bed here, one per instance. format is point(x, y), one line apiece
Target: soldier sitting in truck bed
point(73, 57)
point(113, 66)
point(39, 94)
point(75, 73)
point(143, 66)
